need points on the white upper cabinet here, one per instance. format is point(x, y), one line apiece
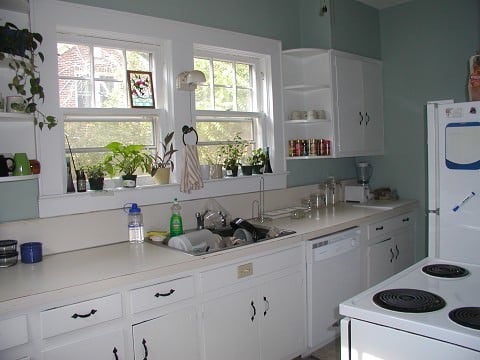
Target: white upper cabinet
point(358, 105)
point(345, 90)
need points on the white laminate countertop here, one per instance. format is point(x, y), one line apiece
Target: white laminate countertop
point(95, 269)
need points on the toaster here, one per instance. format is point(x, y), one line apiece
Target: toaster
point(356, 193)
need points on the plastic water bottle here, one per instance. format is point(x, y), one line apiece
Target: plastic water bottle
point(135, 224)
point(176, 224)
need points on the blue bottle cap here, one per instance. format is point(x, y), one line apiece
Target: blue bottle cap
point(134, 209)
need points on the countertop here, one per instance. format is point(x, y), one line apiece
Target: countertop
point(95, 269)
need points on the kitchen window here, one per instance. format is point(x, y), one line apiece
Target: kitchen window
point(93, 93)
point(230, 102)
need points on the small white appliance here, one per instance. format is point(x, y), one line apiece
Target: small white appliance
point(356, 193)
point(432, 309)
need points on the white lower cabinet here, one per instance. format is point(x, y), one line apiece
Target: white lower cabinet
point(392, 250)
point(109, 346)
point(265, 322)
point(172, 336)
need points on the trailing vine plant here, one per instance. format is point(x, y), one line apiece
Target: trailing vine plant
point(20, 48)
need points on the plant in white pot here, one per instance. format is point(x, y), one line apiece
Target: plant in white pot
point(162, 163)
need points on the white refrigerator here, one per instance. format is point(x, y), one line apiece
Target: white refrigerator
point(454, 180)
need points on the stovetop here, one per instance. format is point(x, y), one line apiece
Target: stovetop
point(457, 292)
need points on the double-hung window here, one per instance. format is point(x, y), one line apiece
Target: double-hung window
point(230, 103)
point(93, 94)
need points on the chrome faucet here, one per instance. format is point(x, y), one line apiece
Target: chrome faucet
point(200, 220)
point(224, 218)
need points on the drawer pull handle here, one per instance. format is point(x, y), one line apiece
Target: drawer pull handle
point(379, 228)
point(406, 219)
point(398, 252)
point(393, 255)
point(115, 353)
point(361, 117)
point(83, 316)
point(252, 304)
point(145, 349)
point(368, 119)
point(165, 294)
point(267, 305)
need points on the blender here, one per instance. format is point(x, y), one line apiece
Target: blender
point(360, 193)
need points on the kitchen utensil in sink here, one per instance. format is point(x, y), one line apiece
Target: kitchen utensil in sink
point(239, 223)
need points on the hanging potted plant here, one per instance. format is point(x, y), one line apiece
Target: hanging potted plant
point(162, 163)
point(95, 175)
point(19, 47)
point(232, 153)
point(125, 160)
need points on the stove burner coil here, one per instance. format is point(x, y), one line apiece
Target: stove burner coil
point(466, 316)
point(445, 271)
point(408, 300)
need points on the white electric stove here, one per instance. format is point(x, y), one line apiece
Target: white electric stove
point(408, 316)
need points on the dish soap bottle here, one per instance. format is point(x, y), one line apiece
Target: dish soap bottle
point(135, 224)
point(176, 224)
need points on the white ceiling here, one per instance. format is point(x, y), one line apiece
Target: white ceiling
point(382, 4)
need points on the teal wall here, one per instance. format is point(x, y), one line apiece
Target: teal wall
point(425, 46)
point(19, 200)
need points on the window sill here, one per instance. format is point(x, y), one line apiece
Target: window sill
point(78, 203)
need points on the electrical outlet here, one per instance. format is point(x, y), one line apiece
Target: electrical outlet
point(244, 270)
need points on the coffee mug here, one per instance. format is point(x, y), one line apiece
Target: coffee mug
point(22, 165)
point(7, 164)
point(16, 104)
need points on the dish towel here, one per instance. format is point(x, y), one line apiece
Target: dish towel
point(191, 178)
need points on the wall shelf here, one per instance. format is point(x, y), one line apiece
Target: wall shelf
point(17, 178)
point(15, 117)
point(306, 121)
point(309, 157)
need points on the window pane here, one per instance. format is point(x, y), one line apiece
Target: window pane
point(208, 154)
point(75, 93)
point(223, 73)
point(224, 130)
point(73, 60)
point(244, 100)
point(243, 75)
point(223, 99)
point(110, 94)
point(97, 134)
point(109, 64)
point(138, 60)
point(202, 98)
point(204, 66)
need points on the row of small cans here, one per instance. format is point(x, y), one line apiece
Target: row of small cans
point(309, 147)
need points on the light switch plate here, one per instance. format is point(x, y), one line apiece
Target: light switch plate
point(244, 270)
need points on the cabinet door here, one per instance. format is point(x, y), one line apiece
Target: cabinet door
point(380, 261)
point(349, 106)
point(231, 327)
point(105, 347)
point(404, 248)
point(373, 107)
point(282, 312)
point(173, 336)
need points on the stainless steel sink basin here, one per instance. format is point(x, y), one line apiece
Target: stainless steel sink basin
point(202, 242)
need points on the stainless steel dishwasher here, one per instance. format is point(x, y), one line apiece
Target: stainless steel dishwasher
point(334, 274)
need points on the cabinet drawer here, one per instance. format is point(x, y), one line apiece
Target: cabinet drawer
point(76, 316)
point(157, 295)
point(13, 332)
point(262, 265)
point(385, 226)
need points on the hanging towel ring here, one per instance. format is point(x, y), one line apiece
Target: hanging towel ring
point(188, 129)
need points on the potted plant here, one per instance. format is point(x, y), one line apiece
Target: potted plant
point(246, 166)
point(20, 48)
point(232, 153)
point(162, 164)
point(95, 175)
point(125, 160)
point(257, 160)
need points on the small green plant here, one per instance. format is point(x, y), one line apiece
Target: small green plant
point(233, 152)
point(95, 171)
point(257, 157)
point(165, 160)
point(126, 159)
point(20, 48)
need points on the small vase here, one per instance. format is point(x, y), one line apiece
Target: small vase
point(96, 183)
point(162, 176)
point(216, 171)
point(129, 181)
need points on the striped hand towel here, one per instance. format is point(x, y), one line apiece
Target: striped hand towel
point(191, 177)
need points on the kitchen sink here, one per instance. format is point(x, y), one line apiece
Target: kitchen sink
point(203, 242)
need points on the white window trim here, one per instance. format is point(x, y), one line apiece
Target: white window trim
point(178, 49)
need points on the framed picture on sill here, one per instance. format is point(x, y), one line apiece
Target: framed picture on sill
point(140, 89)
